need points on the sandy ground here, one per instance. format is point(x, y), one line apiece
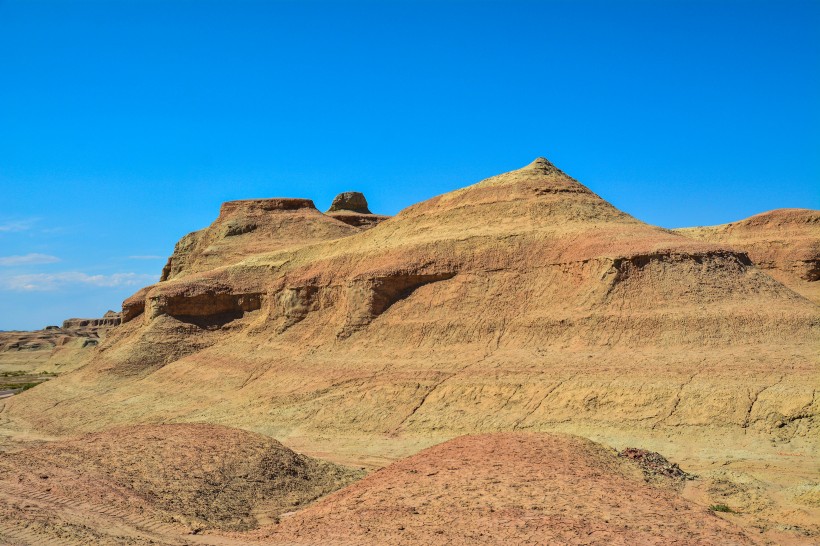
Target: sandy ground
point(516, 488)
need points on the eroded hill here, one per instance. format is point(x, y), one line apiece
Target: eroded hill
point(147, 483)
point(28, 358)
point(785, 243)
point(193, 484)
point(507, 488)
point(523, 302)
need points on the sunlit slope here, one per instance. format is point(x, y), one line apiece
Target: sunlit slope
point(785, 243)
point(522, 302)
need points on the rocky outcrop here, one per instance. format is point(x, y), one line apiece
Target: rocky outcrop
point(351, 208)
point(108, 320)
point(351, 201)
point(248, 227)
point(210, 304)
point(785, 243)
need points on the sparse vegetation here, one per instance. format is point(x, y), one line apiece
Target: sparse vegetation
point(20, 381)
point(18, 386)
point(721, 508)
point(17, 373)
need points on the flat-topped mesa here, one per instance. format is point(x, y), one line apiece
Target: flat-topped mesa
point(251, 226)
point(109, 320)
point(229, 208)
point(351, 208)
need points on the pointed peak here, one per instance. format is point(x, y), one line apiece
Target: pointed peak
point(541, 161)
point(542, 165)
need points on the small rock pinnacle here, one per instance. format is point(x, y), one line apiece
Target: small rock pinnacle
point(350, 200)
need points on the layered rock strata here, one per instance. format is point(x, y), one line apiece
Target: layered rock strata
point(522, 302)
point(785, 243)
point(351, 208)
point(249, 227)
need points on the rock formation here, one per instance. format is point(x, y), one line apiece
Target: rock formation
point(785, 243)
point(351, 208)
point(558, 278)
point(249, 227)
point(31, 357)
point(54, 336)
point(108, 320)
point(522, 302)
point(351, 201)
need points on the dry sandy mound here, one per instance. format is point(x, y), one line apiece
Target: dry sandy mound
point(508, 488)
point(194, 475)
point(784, 242)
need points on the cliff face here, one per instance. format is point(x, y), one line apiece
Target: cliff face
point(108, 320)
point(785, 243)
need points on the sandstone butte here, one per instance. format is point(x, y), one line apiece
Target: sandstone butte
point(524, 302)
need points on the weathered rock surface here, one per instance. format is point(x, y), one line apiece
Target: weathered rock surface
point(351, 208)
point(351, 201)
point(523, 302)
point(785, 243)
point(249, 227)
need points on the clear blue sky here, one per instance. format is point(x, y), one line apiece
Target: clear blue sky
point(124, 125)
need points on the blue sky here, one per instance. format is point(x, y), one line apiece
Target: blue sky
point(124, 125)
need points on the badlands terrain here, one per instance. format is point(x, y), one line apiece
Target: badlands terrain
point(486, 357)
